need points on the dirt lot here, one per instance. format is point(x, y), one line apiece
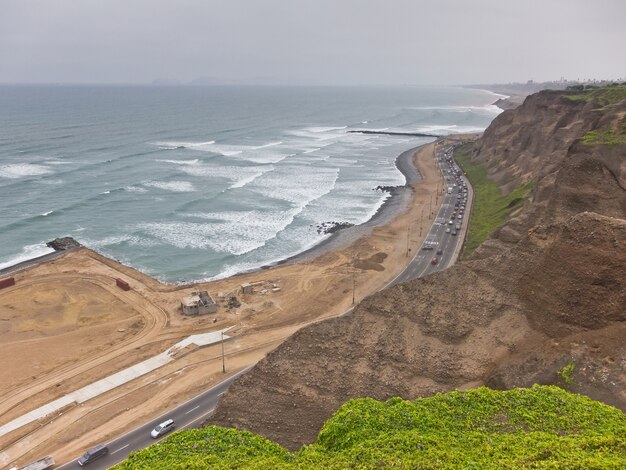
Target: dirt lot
point(65, 324)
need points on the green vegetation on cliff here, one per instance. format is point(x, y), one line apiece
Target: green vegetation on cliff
point(601, 96)
point(490, 208)
point(541, 427)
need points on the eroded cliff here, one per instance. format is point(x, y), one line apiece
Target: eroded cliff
point(546, 291)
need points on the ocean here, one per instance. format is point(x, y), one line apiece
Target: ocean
point(195, 183)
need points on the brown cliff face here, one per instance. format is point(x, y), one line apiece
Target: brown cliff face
point(548, 289)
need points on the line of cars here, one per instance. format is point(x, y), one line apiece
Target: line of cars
point(455, 179)
point(456, 184)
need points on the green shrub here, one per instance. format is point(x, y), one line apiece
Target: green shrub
point(567, 373)
point(540, 427)
point(490, 208)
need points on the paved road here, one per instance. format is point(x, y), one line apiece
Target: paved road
point(190, 414)
point(437, 238)
point(187, 415)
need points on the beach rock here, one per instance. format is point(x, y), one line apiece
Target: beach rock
point(388, 189)
point(62, 244)
point(332, 227)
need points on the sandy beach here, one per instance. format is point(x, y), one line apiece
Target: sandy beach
point(82, 328)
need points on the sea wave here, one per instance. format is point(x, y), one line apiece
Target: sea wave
point(28, 252)
point(174, 186)
point(244, 181)
point(181, 162)
point(129, 239)
point(461, 109)
point(183, 145)
point(23, 170)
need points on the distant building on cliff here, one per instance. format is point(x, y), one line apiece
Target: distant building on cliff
point(198, 303)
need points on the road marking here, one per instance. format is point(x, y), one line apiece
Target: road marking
point(121, 448)
point(199, 417)
point(193, 409)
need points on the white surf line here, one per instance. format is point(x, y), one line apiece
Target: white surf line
point(121, 448)
point(109, 383)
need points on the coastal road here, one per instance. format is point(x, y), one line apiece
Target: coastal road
point(191, 413)
point(443, 239)
point(187, 415)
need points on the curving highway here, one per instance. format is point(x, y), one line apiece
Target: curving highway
point(445, 237)
point(187, 415)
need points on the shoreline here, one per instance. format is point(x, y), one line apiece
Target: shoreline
point(398, 200)
point(148, 317)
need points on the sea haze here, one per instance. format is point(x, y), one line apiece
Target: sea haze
point(192, 183)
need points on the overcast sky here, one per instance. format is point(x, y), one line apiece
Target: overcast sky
point(311, 41)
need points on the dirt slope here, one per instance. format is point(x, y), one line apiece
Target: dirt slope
point(548, 289)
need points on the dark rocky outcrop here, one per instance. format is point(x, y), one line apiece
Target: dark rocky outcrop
point(332, 227)
point(63, 244)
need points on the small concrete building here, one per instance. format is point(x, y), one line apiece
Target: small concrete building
point(198, 303)
point(247, 288)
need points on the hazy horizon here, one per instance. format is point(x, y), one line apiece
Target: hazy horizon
point(329, 43)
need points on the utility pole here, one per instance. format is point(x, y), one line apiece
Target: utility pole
point(421, 221)
point(430, 207)
point(408, 236)
point(353, 275)
point(223, 359)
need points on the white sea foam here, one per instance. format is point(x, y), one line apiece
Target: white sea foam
point(324, 129)
point(380, 129)
point(181, 162)
point(22, 170)
point(135, 189)
point(296, 186)
point(461, 109)
point(46, 214)
point(235, 233)
point(28, 252)
point(189, 145)
point(253, 153)
point(174, 186)
point(238, 176)
point(244, 181)
point(240, 232)
point(132, 240)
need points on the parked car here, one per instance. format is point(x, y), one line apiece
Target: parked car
point(163, 428)
point(427, 247)
point(448, 230)
point(435, 260)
